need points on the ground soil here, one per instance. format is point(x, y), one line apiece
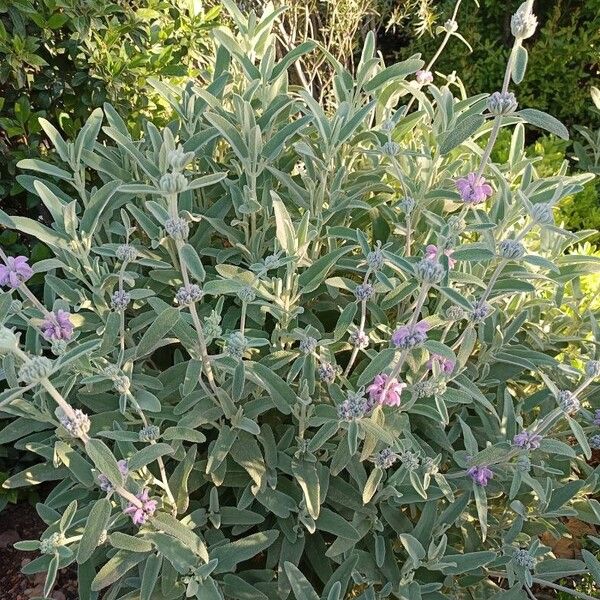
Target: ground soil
point(21, 522)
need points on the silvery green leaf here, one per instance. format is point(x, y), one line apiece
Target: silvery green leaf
point(413, 547)
point(150, 575)
point(193, 262)
point(520, 64)
point(370, 487)
point(185, 535)
point(581, 437)
point(118, 566)
point(96, 205)
point(164, 322)
point(33, 164)
point(482, 508)
point(131, 543)
point(543, 120)
point(232, 553)
point(305, 474)
point(95, 526)
point(592, 564)
point(104, 460)
point(301, 587)
point(463, 130)
point(180, 478)
point(51, 575)
point(148, 455)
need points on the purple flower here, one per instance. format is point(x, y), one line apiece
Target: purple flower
point(379, 394)
point(423, 77)
point(473, 189)
point(527, 441)
point(480, 475)
point(140, 514)
point(431, 253)
point(409, 336)
point(15, 271)
point(57, 326)
point(596, 420)
point(446, 365)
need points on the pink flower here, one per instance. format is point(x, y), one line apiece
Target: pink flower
point(57, 326)
point(480, 475)
point(423, 77)
point(409, 336)
point(140, 514)
point(15, 271)
point(446, 365)
point(474, 189)
point(379, 394)
point(431, 253)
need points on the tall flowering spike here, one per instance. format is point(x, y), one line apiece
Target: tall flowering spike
point(140, 514)
point(527, 440)
point(473, 189)
point(386, 391)
point(15, 271)
point(596, 419)
point(409, 336)
point(57, 326)
point(480, 475)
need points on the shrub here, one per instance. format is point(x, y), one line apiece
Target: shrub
point(61, 60)
point(288, 352)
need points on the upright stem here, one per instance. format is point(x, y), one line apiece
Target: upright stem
point(159, 460)
point(172, 202)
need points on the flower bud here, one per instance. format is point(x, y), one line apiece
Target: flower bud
point(386, 458)
point(126, 253)
point(359, 339)
point(511, 249)
point(502, 103)
point(542, 213)
point(592, 368)
point(173, 183)
point(451, 26)
point(308, 345)
point(77, 426)
point(364, 292)
point(523, 23)
point(524, 559)
point(50, 544)
point(327, 372)
point(407, 204)
point(429, 271)
point(35, 369)
point(177, 228)
point(8, 340)
point(178, 159)
point(390, 148)
point(150, 433)
point(188, 294)
point(119, 300)
point(568, 402)
point(236, 345)
point(246, 294)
